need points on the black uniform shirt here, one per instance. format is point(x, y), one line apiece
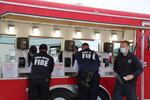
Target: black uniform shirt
point(42, 65)
point(127, 65)
point(87, 59)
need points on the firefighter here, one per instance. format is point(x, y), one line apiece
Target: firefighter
point(127, 68)
point(31, 53)
point(87, 62)
point(41, 68)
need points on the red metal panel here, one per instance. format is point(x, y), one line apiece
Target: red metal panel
point(63, 81)
point(13, 89)
point(80, 8)
point(108, 83)
point(138, 53)
point(68, 15)
point(147, 68)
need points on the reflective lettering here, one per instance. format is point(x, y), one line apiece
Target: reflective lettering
point(93, 56)
point(88, 55)
point(46, 63)
point(42, 61)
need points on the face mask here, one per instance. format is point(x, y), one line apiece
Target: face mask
point(123, 50)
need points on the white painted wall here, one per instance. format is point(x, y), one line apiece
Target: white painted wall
point(25, 29)
point(129, 34)
point(67, 33)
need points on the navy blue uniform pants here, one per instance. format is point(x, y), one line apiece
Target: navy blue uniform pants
point(128, 90)
point(90, 93)
point(38, 89)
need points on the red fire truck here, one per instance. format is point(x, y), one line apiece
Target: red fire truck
point(65, 88)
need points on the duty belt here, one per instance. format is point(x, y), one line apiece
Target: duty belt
point(86, 77)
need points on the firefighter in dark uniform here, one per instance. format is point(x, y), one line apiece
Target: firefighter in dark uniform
point(31, 53)
point(42, 66)
point(127, 68)
point(87, 62)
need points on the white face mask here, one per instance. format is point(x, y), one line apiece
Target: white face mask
point(123, 50)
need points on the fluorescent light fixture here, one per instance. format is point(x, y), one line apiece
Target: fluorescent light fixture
point(77, 34)
point(11, 29)
point(114, 37)
point(97, 35)
point(57, 32)
point(35, 31)
point(130, 40)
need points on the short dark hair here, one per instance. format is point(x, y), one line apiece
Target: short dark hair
point(127, 42)
point(76, 47)
point(33, 49)
point(85, 44)
point(43, 47)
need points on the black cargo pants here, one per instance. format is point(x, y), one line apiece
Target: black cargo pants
point(128, 90)
point(91, 92)
point(38, 89)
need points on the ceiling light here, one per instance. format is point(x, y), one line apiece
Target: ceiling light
point(35, 31)
point(114, 37)
point(97, 35)
point(11, 29)
point(57, 32)
point(77, 34)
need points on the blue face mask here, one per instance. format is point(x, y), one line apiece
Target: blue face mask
point(123, 50)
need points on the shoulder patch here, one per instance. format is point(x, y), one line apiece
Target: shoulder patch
point(130, 61)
